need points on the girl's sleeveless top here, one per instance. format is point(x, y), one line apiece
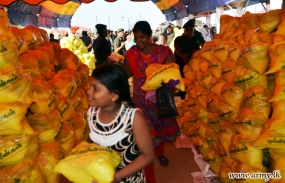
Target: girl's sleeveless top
point(117, 135)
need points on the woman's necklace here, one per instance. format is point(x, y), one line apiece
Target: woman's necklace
point(109, 115)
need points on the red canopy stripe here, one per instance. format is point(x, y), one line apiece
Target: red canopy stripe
point(34, 2)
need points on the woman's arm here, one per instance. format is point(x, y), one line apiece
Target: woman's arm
point(128, 68)
point(145, 144)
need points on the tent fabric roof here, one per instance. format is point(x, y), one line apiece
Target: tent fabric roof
point(58, 13)
point(46, 14)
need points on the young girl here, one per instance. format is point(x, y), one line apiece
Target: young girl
point(117, 125)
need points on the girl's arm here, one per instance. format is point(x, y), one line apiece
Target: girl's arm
point(145, 144)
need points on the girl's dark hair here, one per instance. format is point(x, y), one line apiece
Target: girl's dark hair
point(144, 27)
point(115, 78)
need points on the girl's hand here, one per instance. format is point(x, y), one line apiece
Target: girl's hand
point(116, 178)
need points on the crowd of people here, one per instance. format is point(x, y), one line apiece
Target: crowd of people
point(131, 125)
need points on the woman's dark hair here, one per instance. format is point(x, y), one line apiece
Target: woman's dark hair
point(144, 27)
point(115, 78)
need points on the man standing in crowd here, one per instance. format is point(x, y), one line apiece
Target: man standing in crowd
point(86, 40)
point(101, 46)
point(110, 39)
point(170, 35)
point(186, 45)
point(51, 38)
point(119, 43)
point(205, 32)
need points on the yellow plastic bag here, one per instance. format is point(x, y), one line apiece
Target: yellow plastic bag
point(271, 138)
point(277, 162)
point(15, 85)
point(13, 119)
point(248, 78)
point(207, 50)
point(5, 26)
point(72, 72)
point(212, 102)
point(84, 99)
point(17, 148)
point(278, 109)
point(46, 68)
point(47, 124)
point(247, 21)
point(277, 57)
point(157, 73)
point(79, 124)
point(49, 52)
point(29, 38)
point(9, 51)
point(232, 95)
point(224, 23)
point(64, 84)
point(216, 68)
point(271, 83)
point(68, 59)
point(214, 160)
point(83, 71)
point(227, 112)
point(65, 109)
point(30, 65)
point(214, 121)
point(76, 101)
point(90, 162)
point(229, 71)
point(235, 50)
point(26, 171)
point(242, 150)
point(216, 87)
point(36, 33)
point(202, 145)
point(249, 123)
point(21, 44)
point(225, 134)
point(195, 61)
point(270, 20)
point(44, 97)
point(49, 155)
point(66, 138)
point(223, 174)
point(279, 88)
point(255, 57)
point(232, 26)
point(257, 99)
point(221, 51)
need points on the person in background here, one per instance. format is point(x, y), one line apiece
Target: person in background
point(186, 45)
point(101, 46)
point(113, 35)
point(125, 35)
point(213, 32)
point(86, 40)
point(128, 43)
point(119, 43)
point(206, 32)
point(170, 35)
point(51, 38)
point(110, 39)
point(139, 57)
point(154, 39)
point(116, 124)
